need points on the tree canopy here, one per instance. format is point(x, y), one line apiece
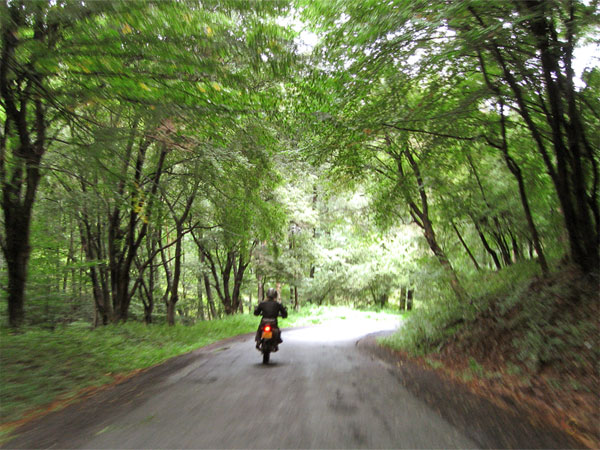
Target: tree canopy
point(170, 158)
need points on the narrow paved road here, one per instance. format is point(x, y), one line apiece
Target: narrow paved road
point(319, 391)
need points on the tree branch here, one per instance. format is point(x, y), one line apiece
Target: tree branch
point(431, 133)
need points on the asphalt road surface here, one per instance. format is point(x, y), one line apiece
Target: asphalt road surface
point(319, 391)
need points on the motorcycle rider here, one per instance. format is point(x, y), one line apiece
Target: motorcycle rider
point(270, 309)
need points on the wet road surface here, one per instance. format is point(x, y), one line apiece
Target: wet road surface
point(319, 391)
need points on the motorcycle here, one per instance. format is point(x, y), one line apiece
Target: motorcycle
point(268, 343)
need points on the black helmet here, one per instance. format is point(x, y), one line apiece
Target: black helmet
point(272, 293)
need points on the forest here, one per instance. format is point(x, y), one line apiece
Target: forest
point(166, 162)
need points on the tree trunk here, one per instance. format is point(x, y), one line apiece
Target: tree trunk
point(70, 260)
point(16, 246)
point(402, 301)
point(200, 312)
point(21, 92)
point(174, 297)
point(296, 304)
point(91, 242)
point(17, 257)
point(225, 294)
point(124, 242)
point(421, 215)
point(212, 312)
point(120, 295)
point(171, 313)
point(501, 243)
point(409, 300)
point(177, 273)
point(209, 297)
point(466, 247)
point(237, 281)
point(569, 144)
point(383, 299)
point(497, 234)
point(516, 249)
point(516, 171)
point(486, 245)
point(442, 258)
point(148, 290)
point(260, 288)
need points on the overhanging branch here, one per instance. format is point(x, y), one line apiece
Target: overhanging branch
point(431, 133)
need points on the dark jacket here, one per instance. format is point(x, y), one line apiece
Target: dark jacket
point(270, 310)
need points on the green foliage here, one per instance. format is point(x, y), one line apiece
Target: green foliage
point(123, 83)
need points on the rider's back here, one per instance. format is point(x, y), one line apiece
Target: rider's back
point(270, 310)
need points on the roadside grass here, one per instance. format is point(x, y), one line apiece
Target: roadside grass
point(39, 367)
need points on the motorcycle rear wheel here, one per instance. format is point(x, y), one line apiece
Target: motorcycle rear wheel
point(266, 355)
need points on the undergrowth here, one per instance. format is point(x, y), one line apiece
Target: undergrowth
point(543, 321)
point(441, 316)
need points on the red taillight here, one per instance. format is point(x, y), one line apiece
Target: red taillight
point(267, 327)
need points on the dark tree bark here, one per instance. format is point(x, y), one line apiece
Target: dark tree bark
point(502, 246)
point(179, 230)
point(91, 241)
point(573, 166)
point(409, 299)
point(174, 287)
point(234, 262)
point(296, 303)
point(238, 278)
point(486, 245)
point(125, 242)
point(200, 314)
point(516, 171)
point(22, 147)
point(147, 292)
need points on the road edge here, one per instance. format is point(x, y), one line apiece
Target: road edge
point(487, 424)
